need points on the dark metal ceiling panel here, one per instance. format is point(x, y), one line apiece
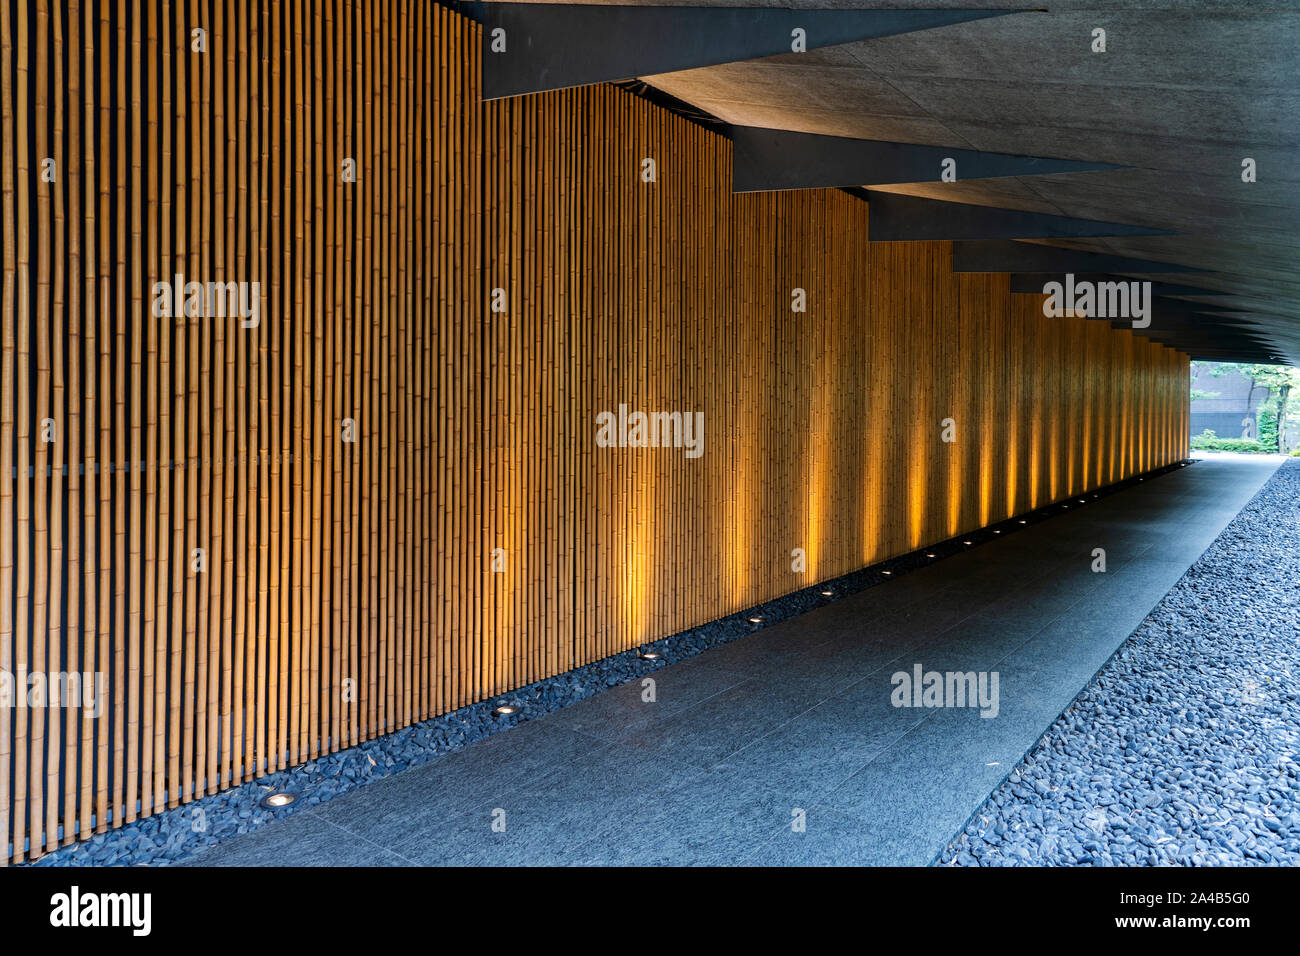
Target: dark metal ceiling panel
point(999, 256)
point(772, 159)
point(533, 47)
point(896, 218)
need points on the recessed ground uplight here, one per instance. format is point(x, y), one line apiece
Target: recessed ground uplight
point(1023, 521)
point(755, 620)
point(1082, 501)
point(503, 710)
point(886, 572)
point(274, 801)
point(966, 542)
point(928, 555)
point(828, 594)
point(996, 531)
point(647, 655)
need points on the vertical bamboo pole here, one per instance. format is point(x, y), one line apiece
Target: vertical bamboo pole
point(22, 426)
point(192, 776)
point(42, 541)
point(77, 746)
point(265, 401)
point(64, 431)
point(8, 349)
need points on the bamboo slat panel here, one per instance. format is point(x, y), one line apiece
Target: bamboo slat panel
point(383, 499)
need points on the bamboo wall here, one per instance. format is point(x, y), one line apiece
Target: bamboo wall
point(347, 588)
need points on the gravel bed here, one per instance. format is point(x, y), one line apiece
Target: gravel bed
point(1183, 749)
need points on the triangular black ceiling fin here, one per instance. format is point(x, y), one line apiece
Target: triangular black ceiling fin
point(533, 47)
point(773, 159)
point(899, 218)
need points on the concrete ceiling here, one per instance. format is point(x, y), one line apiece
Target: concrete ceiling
point(1185, 91)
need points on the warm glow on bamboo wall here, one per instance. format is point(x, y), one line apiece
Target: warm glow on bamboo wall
point(181, 508)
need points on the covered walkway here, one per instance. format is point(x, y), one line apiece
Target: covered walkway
point(786, 747)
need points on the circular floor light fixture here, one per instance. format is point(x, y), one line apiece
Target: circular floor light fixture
point(755, 620)
point(647, 655)
point(504, 710)
point(828, 594)
point(277, 799)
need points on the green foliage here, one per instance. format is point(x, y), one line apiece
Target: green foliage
point(1208, 441)
point(1268, 425)
point(1273, 377)
point(1277, 417)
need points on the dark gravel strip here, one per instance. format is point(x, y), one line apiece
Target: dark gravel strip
point(1183, 749)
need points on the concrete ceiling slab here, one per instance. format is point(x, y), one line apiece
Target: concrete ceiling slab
point(1185, 90)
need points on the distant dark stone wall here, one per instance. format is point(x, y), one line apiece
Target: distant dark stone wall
point(1223, 424)
point(1234, 401)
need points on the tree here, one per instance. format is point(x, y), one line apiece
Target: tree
point(1280, 380)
